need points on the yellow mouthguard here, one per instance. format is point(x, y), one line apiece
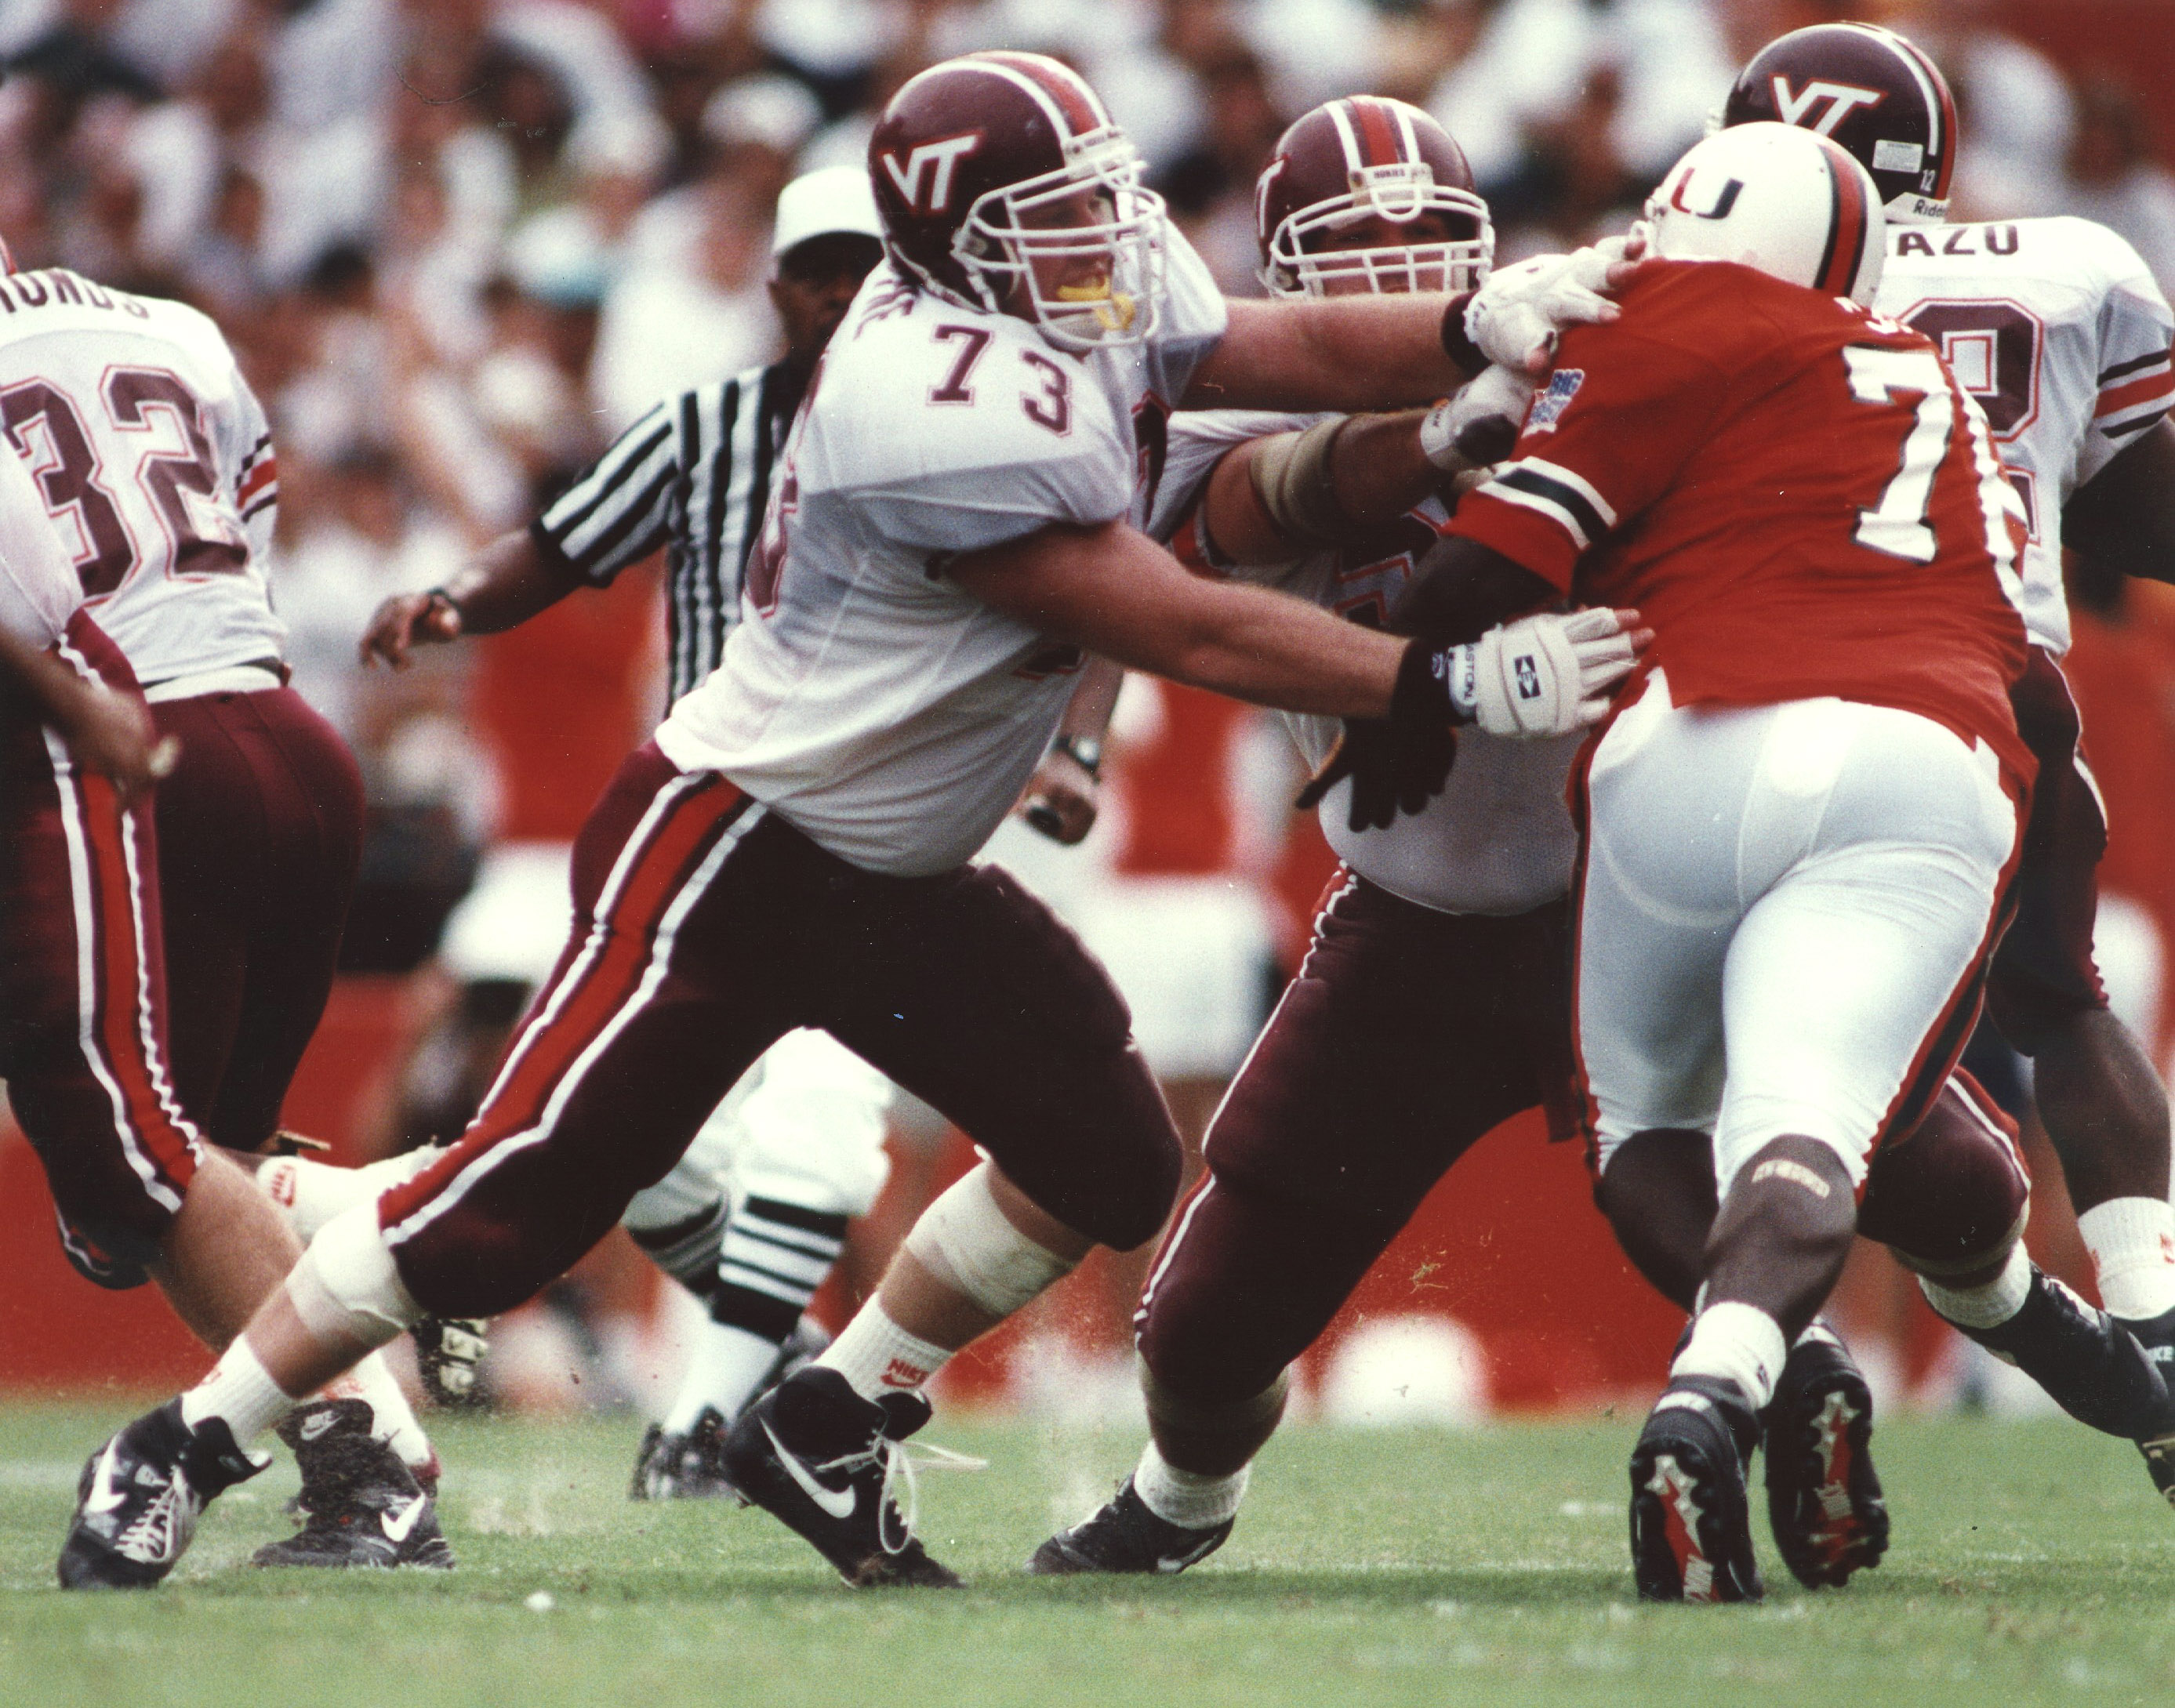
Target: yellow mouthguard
point(1114, 308)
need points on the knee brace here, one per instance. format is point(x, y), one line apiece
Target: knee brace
point(965, 1239)
point(1951, 1198)
point(346, 1287)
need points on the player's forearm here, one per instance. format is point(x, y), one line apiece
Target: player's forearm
point(1375, 472)
point(1461, 589)
point(1270, 649)
point(1347, 354)
point(1094, 698)
point(37, 680)
point(507, 583)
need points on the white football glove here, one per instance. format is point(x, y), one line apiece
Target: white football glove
point(1499, 392)
point(1515, 316)
point(1549, 674)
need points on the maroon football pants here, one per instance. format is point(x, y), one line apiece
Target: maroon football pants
point(83, 991)
point(260, 834)
point(1407, 1035)
point(705, 927)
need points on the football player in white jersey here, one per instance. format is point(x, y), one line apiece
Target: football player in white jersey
point(955, 520)
point(2059, 331)
point(154, 462)
point(1430, 1005)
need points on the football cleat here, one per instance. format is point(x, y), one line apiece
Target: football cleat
point(361, 1506)
point(2090, 1364)
point(1126, 1536)
point(1824, 1496)
point(822, 1460)
point(447, 1350)
point(690, 1466)
point(2156, 1334)
point(139, 1496)
point(1692, 1531)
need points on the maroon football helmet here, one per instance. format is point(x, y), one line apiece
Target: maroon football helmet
point(973, 160)
point(1366, 157)
point(1873, 92)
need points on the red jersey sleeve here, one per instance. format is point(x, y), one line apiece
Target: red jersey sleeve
point(1619, 416)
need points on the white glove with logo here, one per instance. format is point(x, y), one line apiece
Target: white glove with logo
point(1479, 425)
point(1515, 316)
point(1543, 675)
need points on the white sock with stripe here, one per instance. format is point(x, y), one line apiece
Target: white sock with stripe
point(876, 1356)
point(2132, 1241)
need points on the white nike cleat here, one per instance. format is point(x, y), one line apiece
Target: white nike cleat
point(821, 1459)
point(139, 1496)
point(1126, 1536)
point(361, 1505)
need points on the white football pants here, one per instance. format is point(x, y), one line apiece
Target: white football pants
point(804, 1126)
point(1784, 907)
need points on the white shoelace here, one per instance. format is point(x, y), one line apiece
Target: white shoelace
point(901, 1461)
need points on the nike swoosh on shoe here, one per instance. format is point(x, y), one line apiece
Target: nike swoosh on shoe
point(839, 1502)
point(396, 1529)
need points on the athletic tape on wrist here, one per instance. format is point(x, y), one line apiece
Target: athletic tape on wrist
point(967, 1240)
point(346, 1286)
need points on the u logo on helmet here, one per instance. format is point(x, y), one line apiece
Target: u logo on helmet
point(1723, 201)
point(940, 158)
point(1842, 97)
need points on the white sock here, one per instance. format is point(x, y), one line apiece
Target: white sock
point(876, 1356)
point(1739, 1342)
point(723, 1367)
point(310, 1194)
point(2132, 1241)
point(1988, 1306)
point(393, 1419)
point(1188, 1498)
point(240, 1391)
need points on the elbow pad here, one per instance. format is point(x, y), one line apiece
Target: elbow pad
point(1293, 481)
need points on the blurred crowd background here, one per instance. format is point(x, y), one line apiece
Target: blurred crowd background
point(459, 244)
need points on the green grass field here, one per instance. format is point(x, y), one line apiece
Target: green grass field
point(2032, 1563)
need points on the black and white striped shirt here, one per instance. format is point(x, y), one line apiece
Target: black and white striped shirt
point(692, 474)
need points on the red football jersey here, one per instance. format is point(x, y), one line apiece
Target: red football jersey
point(1794, 493)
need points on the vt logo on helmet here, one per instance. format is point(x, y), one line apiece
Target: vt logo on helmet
point(1004, 185)
point(1784, 200)
point(1871, 90)
point(1370, 194)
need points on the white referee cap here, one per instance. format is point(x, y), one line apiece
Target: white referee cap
point(817, 204)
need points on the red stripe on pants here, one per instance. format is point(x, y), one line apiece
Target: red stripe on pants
point(559, 1031)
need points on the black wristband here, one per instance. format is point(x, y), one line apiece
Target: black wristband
point(1456, 344)
point(1426, 695)
point(438, 596)
point(1083, 750)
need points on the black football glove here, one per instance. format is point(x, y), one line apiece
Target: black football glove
point(1400, 762)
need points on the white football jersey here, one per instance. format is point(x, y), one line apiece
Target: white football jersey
point(1498, 839)
point(154, 463)
point(38, 588)
point(2056, 327)
point(871, 704)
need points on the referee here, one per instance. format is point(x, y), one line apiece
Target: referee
point(694, 475)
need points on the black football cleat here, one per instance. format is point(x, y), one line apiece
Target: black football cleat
point(361, 1506)
point(1691, 1530)
point(1824, 1496)
point(1126, 1536)
point(820, 1458)
point(447, 1350)
point(139, 1498)
point(690, 1466)
point(2090, 1364)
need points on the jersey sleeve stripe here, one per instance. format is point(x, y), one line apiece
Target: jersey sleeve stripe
point(1603, 513)
point(1559, 503)
point(2152, 389)
point(2158, 358)
point(627, 455)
